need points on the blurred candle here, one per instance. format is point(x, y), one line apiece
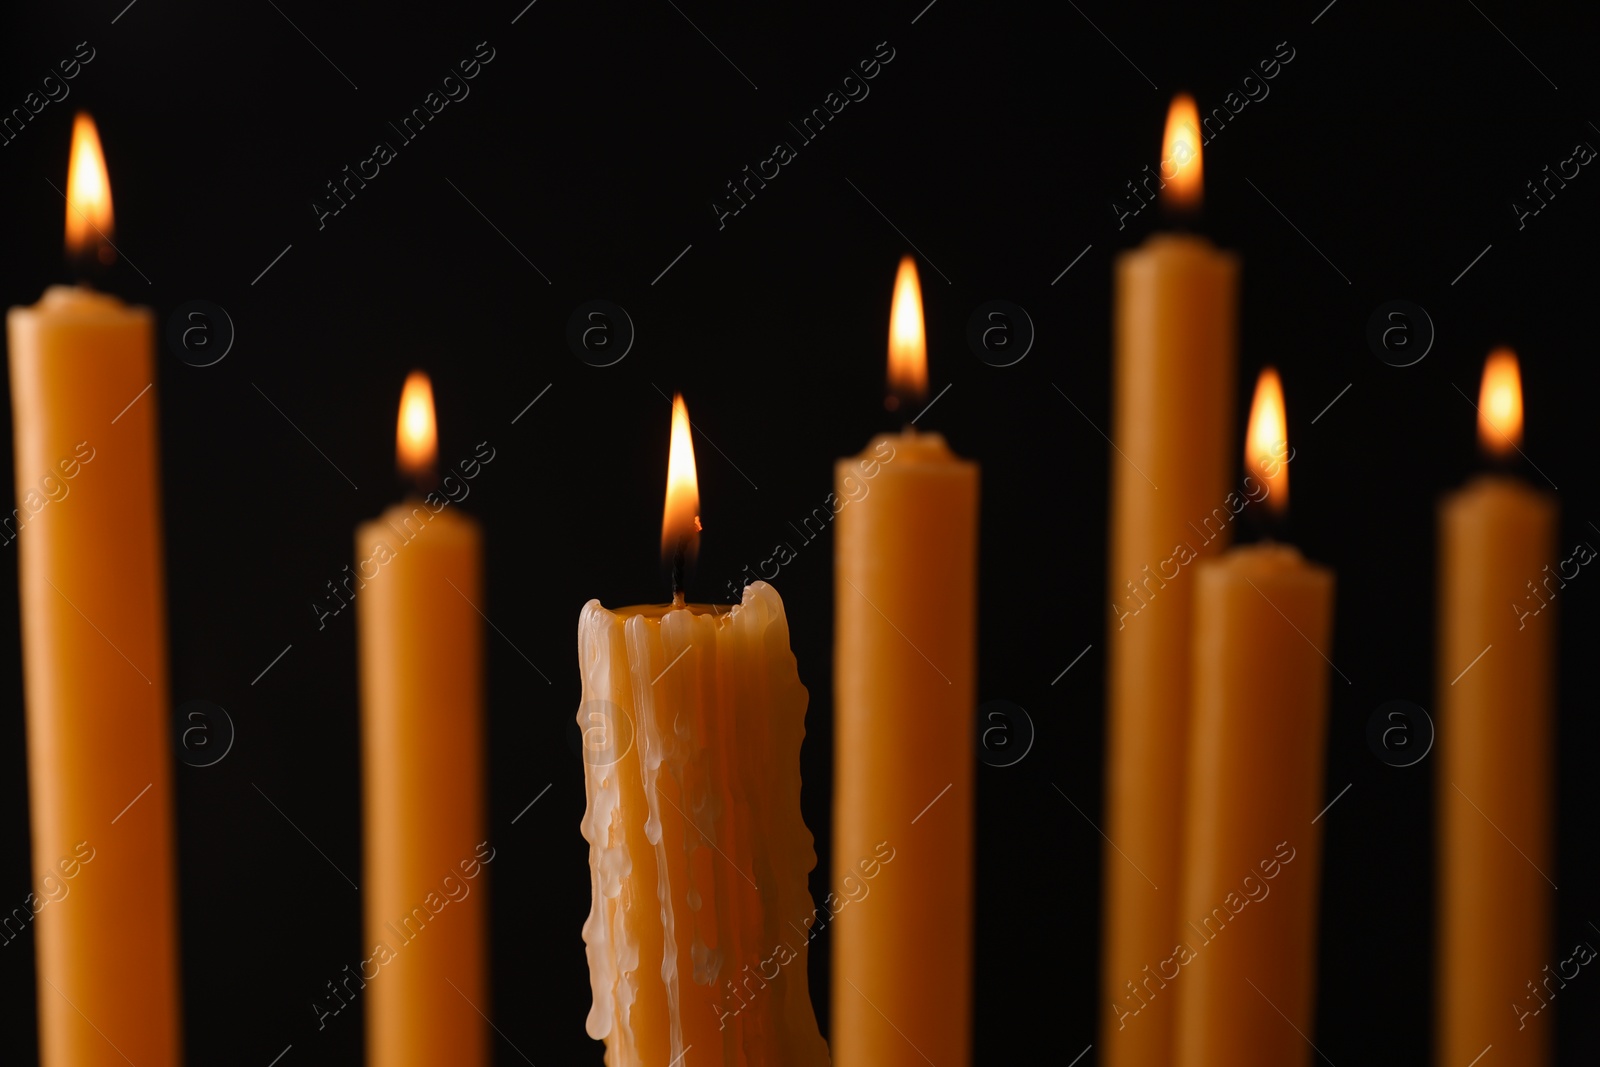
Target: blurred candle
point(692, 718)
point(89, 556)
point(418, 589)
point(1499, 572)
point(905, 597)
point(1241, 959)
point(1172, 419)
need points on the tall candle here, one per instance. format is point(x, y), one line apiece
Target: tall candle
point(1240, 965)
point(1172, 418)
point(692, 718)
point(88, 539)
point(905, 596)
point(1499, 573)
point(418, 591)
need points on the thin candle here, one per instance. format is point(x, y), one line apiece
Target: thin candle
point(1173, 421)
point(95, 656)
point(424, 897)
point(1495, 782)
point(905, 601)
point(1263, 623)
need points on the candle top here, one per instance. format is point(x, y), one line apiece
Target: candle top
point(1266, 562)
point(1495, 489)
point(909, 447)
point(82, 302)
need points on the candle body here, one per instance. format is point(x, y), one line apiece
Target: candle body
point(1252, 855)
point(418, 587)
point(906, 606)
point(95, 674)
point(1495, 777)
point(692, 720)
point(1172, 421)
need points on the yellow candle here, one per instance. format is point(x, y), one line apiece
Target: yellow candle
point(88, 540)
point(1240, 963)
point(1172, 418)
point(418, 591)
point(692, 718)
point(905, 595)
point(1499, 574)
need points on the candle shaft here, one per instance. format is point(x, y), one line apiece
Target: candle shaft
point(1495, 772)
point(95, 679)
point(424, 893)
point(1241, 959)
point(1172, 422)
point(905, 720)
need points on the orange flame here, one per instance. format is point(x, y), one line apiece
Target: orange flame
point(416, 434)
point(1180, 153)
point(680, 516)
point(1500, 404)
point(1266, 449)
point(88, 193)
point(908, 342)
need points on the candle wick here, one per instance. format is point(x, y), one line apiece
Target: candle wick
point(678, 598)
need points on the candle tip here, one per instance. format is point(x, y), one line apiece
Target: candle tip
point(1181, 170)
point(908, 339)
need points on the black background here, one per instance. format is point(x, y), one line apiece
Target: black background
point(995, 141)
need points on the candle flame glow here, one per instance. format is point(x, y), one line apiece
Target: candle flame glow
point(1266, 449)
point(88, 193)
point(908, 343)
point(1500, 404)
point(1180, 155)
point(416, 435)
point(680, 516)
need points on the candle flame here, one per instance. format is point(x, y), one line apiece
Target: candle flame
point(416, 435)
point(908, 342)
point(1500, 404)
point(88, 193)
point(680, 516)
point(1180, 155)
point(1266, 449)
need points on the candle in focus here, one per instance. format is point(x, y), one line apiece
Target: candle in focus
point(1172, 420)
point(691, 719)
point(1241, 958)
point(905, 596)
point(1499, 573)
point(89, 558)
point(418, 587)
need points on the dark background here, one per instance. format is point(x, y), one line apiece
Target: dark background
point(595, 141)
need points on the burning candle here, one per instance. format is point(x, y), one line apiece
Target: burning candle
point(1499, 571)
point(692, 718)
point(1263, 619)
point(88, 535)
point(418, 591)
point(905, 596)
point(1172, 419)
